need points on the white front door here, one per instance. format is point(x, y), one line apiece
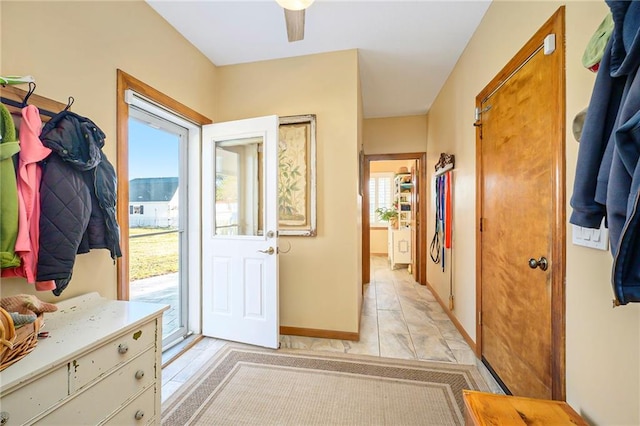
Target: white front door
point(239, 226)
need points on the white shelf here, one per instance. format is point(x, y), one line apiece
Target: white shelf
point(403, 188)
point(400, 239)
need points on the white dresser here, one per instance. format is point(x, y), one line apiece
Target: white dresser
point(101, 364)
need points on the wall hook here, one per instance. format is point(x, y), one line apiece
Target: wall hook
point(70, 102)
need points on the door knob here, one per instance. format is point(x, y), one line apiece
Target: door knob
point(270, 250)
point(543, 263)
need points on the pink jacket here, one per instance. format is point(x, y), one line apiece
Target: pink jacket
point(29, 175)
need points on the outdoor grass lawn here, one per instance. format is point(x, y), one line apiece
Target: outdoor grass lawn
point(152, 255)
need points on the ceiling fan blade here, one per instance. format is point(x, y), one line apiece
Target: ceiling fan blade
point(295, 24)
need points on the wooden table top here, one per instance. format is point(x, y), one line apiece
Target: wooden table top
point(488, 409)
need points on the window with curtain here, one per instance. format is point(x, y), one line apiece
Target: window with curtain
point(380, 195)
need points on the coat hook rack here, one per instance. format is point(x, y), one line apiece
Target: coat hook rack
point(15, 99)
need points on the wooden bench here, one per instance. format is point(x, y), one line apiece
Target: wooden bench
point(489, 409)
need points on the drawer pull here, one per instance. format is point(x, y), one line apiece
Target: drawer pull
point(123, 348)
point(139, 415)
point(4, 418)
point(139, 374)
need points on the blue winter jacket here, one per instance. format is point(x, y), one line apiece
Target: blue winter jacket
point(608, 169)
point(78, 197)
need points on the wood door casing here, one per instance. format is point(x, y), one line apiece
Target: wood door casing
point(125, 82)
point(521, 214)
point(415, 188)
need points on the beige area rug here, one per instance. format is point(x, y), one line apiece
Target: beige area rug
point(251, 386)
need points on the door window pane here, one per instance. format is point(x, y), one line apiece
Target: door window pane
point(238, 208)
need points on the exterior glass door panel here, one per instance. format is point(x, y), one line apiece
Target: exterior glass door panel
point(157, 218)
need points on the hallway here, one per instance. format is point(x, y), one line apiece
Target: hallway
point(400, 319)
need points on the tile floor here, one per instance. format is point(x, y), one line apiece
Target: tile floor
point(400, 319)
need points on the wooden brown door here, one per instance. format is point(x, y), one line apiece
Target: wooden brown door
point(521, 146)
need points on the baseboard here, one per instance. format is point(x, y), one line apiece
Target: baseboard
point(324, 334)
point(453, 319)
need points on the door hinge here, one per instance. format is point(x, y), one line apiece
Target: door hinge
point(481, 224)
point(479, 317)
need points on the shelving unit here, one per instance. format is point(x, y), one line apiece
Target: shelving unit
point(402, 194)
point(400, 238)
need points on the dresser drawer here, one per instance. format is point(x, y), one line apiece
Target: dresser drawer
point(34, 398)
point(97, 402)
point(141, 411)
point(85, 369)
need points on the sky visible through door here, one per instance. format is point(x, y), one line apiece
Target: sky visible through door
point(154, 219)
point(154, 152)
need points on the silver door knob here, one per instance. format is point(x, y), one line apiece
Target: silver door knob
point(270, 250)
point(542, 263)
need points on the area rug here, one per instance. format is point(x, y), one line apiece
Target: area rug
point(250, 386)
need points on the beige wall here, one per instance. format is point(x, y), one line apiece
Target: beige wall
point(320, 277)
point(603, 344)
point(395, 135)
point(74, 49)
point(392, 135)
point(146, 47)
point(358, 288)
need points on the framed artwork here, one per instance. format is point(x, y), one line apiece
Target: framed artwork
point(297, 175)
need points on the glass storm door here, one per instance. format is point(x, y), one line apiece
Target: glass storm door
point(157, 218)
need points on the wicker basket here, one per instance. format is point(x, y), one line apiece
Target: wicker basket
point(15, 344)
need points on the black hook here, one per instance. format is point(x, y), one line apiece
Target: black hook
point(32, 88)
point(69, 103)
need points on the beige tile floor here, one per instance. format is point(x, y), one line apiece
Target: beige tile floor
point(400, 319)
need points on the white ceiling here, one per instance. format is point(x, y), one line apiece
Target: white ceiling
point(406, 48)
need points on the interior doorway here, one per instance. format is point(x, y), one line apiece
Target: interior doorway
point(404, 181)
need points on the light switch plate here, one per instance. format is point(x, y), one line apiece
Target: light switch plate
point(592, 238)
